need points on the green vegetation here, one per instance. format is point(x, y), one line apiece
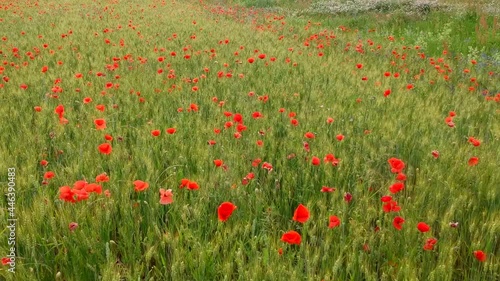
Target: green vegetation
point(265, 108)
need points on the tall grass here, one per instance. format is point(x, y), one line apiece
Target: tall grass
point(320, 71)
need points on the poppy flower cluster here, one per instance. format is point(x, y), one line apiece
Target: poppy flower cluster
point(81, 190)
point(397, 166)
point(330, 158)
point(189, 184)
point(59, 110)
point(247, 178)
point(389, 204)
point(255, 117)
point(449, 119)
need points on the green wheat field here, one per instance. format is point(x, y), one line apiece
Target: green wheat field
point(249, 140)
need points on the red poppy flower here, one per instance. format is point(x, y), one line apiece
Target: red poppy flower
point(474, 142)
point(267, 166)
point(66, 194)
point(59, 110)
point(63, 121)
point(329, 120)
point(238, 118)
point(225, 210)
point(108, 137)
point(396, 165)
point(105, 148)
point(93, 187)
point(291, 237)
point(218, 162)
point(171, 131)
point(301, 214)
point(140, 185)
point(397, 187)
point(435, 154)
point(423, 227)
point(401, 177)
point(44, 162)
point(155, 133)
point(251, 60)
point(100, 107)
point(184, 183)
point(306, 146)
point(309, 135)
point(100, 124)
point(480, 255)
point(166, 196)
point(398, 222)
point(79, 184)
point(257, 115)
point(193, 107)
point(49, 175)
point(87, 100)
point(334, 222)
point(331, 158)
point(348, 197)
point(473, 161)
point(102, 178)
point(327, 189)
point(37, 108)
point(240, 127)
point(315, 161)
point(5, 261)
point(193, 185)
point(339, 137)
point(72, 226)
point(81, 195)
point(256, 162)
point(386, 198)
point(391, 206)
point(429, 244)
